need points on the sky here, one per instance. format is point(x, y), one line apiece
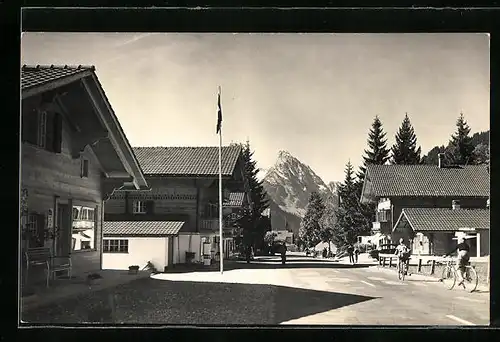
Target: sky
point(313, 95)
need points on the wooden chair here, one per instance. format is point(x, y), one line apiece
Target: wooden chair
point(43, 257)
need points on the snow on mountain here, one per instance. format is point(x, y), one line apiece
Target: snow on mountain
point(289, 183)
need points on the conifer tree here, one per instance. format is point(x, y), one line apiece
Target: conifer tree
point(310, 228)
point(377, 152)
point(405, 150)
point(461, 149)
point(254, 225)
point(350, 218)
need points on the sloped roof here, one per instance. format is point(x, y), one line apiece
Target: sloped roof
point(444, 219)
point(32, 76)
point(187, 161)
point(235, 199)
point(427, 180)
point(141, 228)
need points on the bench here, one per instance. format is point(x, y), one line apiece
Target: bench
point(43, 257)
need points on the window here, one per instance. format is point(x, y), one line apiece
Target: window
point(383, 216)
point(83, 230)
point(85, 168)
point(115, 246)
point(139, 207)
point(42, 129)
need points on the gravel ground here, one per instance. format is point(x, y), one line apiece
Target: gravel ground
point(164, 302)
point(150, 301)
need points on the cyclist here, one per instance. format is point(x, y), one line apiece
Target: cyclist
point(403, 253)
point(462, 257)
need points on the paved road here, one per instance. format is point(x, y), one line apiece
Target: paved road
point(304, 291)
point(416, 301)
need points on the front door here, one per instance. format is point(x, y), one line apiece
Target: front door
point(63, 239)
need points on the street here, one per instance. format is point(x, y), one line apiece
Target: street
point(304, 291)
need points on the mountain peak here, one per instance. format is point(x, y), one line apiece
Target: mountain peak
point(282, 154)
point(289, 183)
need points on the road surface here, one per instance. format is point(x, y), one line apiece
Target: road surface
point(265, 292)
point(358, 295)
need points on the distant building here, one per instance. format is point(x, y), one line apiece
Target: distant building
point(179, 216)
point(429, 205)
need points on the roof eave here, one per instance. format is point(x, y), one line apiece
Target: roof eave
point(51, 85)
point(130, 159)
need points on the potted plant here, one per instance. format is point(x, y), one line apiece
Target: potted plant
point(134, 269)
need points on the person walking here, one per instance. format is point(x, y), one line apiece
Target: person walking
point(283, 253)
point(325, 253)
point(350, 252)
point(356, 254)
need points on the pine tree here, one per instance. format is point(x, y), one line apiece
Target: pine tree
point(350, 215)
point(328, 220)
point(377, 152)
point(310, 229)
point(461, 148)
point(405, 150)
point(254, 225)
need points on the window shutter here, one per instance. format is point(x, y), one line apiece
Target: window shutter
point(150, 207)
point(50, 131)
point(57, 132)
point(29, 126)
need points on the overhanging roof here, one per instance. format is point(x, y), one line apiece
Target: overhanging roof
point(425, 181)
point(235, 200)
point(187, 161)
point(141, 228)
point(443, 219)
point(40, 79)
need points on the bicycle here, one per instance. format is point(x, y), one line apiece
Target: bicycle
point(402, 271)
point(450, 274)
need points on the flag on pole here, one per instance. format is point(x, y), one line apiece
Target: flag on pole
point(219, 113)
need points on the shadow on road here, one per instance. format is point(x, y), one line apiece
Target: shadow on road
point(267, 264)
point(149, 301)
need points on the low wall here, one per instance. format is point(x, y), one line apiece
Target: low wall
point(481, 266)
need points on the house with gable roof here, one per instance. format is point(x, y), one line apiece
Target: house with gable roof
point(74, 154)
point(179, 217)
point(430, 205)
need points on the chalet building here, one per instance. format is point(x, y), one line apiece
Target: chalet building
point(74, 154)
point(179, 215)
point(435, 201)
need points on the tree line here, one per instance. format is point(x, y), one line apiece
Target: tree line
point(342, 225)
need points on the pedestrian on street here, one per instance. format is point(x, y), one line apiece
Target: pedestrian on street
point(325, 253)
point(356, 254)
point(350, 251)
point(283, 253)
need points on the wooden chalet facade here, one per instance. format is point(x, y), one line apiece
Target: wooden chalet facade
point(400, 189)
point(184, 188)
point(74, 154)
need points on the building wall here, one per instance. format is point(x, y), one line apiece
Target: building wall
point(140, 251)
point(188, 197)
point(187, 243)
point(47, 174)
point(485, 242)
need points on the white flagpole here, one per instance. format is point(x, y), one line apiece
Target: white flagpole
point(220, 198)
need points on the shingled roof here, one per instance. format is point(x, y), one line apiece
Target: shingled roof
point(235, 199)
point(443, 219)
point(187, 161)
point(141, 228)
point(33, 76)
point(426, 180)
